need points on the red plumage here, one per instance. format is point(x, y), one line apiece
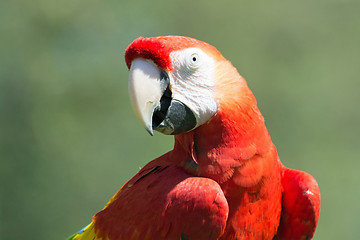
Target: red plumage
point(163, 202)
point(158, 49)
point(222, 180)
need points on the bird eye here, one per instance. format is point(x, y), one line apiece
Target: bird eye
point(194, 57)
point(194, 60)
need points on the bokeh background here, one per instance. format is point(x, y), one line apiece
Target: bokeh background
point(69, 138)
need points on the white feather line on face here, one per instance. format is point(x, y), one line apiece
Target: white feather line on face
point(192, 82)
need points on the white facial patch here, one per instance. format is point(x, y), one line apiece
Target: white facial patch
point(192, 82)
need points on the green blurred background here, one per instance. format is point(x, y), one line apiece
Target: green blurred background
point(69, 138)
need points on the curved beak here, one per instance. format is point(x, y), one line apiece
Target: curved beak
point(146, 87)
point(150, 95)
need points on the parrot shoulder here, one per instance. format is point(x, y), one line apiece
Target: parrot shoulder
point(162, 201)
point(300, 205)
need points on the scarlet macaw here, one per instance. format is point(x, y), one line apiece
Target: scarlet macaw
point(223, 179)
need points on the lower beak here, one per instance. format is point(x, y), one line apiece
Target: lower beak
point(150, 94)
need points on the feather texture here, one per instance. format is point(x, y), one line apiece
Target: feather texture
point(223, 180)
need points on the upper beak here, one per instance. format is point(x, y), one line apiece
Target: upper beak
point(151, 97)
point(146, 87)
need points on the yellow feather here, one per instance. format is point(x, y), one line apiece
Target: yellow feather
point(88, 233)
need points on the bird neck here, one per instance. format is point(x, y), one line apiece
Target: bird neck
point(235, 135)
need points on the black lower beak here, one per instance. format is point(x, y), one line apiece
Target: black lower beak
point(172, 116)
point(160, 112)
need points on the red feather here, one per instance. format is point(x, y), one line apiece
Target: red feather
point(158, 49)
point(164, 202)
point(223, 180)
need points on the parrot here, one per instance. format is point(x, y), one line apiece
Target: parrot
point(223, 179)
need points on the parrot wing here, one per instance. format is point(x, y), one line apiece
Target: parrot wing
point(300, 205)
point(87, 233)
point(161, 202)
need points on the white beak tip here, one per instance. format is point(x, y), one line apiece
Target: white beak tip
point(150, 131)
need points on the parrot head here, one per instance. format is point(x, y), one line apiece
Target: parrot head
point(178, 83)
